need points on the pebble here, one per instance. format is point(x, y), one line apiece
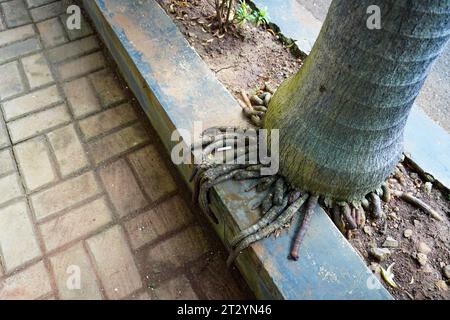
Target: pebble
point(414, 175)
point(368, 230)
point(422, 259)
point(380, 254)
point(424, 248)
point(427, 269)
point(427, 187)
point(416, 223)
point(408, 233)
point(442, 285)
point(393, 215)
point(390, 243)
point(375, 267)
point(447, 271)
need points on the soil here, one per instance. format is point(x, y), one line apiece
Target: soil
point(243, 58)
point(414, 281)
point(246, 58)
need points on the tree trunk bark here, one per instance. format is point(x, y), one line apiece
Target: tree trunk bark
point(342, 116)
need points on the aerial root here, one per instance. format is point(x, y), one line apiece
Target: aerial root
point(280, 190)
point(265, 220)
point(418, 203)
point(263, 232)
point(255, 107)
point(262, 184)
point(347, 214)
point(310, 206)
point(337, 218)
point(376, 203)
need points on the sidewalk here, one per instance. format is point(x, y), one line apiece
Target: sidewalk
point(85, 193)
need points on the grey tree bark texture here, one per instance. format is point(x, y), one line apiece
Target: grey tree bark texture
point(342, 116)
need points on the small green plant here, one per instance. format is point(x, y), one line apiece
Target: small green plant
point(260, 16)
point(244, 13)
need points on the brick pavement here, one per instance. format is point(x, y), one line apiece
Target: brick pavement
point(84, 188)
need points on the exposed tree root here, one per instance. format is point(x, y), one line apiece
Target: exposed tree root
point(310, 205)
point(282, 201)
point(418, 203)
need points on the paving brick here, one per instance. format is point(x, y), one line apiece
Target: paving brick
point(48, 11)
point(4, 140)
point(17, 239)
point(64, 195)
point(117, 142)
point(81, 65)
point(32, 283)
point(34, 163)
point(168, 216)
point(63, 266)
point(73, 49)
point(16, 13)
point(116, 268)
point(107, 120)
point(75, 224)
point(10, 188)
point(175, 252)
point(215, 281)
point(108, 87)
point(11, 83)
point(6, 161)
point(37, 3)
point(18, 49)
point(74, 34)
point(52, 32)
point(31, 102)
point(37, 70)
point(36, 123)
point(152, 172)
point(68, 150)
point(81, 97)
point(122, 188)
point(16, 34)
point(175, 289)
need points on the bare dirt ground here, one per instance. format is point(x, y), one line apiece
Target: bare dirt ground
point(245, 58)
point(418, 244)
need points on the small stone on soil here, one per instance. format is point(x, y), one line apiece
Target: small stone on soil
point(390, 243)
point(414, 175)
point(447, 271)
point(442, 285)
point(408, 233)
point(424, 248)
point(380, 254)
point(422, 259)
point(427, 187)
point(368, 230)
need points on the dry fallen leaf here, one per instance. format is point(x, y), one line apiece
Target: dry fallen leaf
point(388, 276)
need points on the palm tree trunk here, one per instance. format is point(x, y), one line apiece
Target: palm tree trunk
point(342, 116)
